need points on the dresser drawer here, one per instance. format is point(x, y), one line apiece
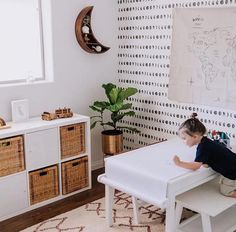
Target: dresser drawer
point(42, 148)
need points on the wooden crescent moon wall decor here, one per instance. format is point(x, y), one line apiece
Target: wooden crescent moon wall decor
point(84, 33)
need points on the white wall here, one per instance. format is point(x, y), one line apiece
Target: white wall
point(78, 75)
point(145, 63)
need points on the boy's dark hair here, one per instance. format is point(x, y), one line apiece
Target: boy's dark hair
point(193, 125)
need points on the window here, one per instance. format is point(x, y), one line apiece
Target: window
point(21, 42)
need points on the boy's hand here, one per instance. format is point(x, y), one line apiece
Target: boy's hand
point(188, 165)
point(176, 160)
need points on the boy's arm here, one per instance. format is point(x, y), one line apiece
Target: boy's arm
point(188, 165)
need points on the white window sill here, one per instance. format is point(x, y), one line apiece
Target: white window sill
point(26, 83)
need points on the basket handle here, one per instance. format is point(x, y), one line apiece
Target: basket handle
point(5, 144)
point(75, 164)
point(43, 173)
point(70, 128)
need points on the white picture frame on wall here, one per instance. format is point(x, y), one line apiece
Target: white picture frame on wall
point(20, 110)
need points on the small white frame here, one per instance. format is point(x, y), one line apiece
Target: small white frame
point(20, 110)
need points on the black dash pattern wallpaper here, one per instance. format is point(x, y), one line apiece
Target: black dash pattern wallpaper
point(144, 47)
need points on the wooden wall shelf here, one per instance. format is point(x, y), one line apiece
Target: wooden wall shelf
point(84, 33)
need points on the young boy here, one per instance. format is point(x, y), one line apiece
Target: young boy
point(209, 153)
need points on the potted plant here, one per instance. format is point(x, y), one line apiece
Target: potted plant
point(112, 134)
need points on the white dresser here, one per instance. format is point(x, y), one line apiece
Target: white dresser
point(55, 163)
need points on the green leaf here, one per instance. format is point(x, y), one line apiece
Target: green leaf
point(125, 93)
point(126, 106)
point(95, 109)
point(117, 117)
point(115, 107)
point(113, 95)
point(130, 113)
point(108, 87)
point(119, 106)
point(93, 124)
point(109, 124)
point(101, 104)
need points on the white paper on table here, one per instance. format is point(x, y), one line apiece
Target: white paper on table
point(148, 169)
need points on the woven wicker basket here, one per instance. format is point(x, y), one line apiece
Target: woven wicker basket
point(74, 175)
point(12, 155)
point(72, 140)
point(43, 184)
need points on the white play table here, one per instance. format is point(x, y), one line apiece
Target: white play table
point(149, 174)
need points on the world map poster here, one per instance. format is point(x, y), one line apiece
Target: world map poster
point(203, 57)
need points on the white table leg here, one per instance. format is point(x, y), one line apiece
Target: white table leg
point(135, 210)
point(178, 213)
point(109, 200)
point(170, 215)
point(206, 223)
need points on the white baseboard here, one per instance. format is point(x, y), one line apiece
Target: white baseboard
point(97, 164)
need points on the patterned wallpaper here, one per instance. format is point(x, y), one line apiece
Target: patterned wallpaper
point(144, 37)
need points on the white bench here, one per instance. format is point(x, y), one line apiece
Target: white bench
point(217, 213)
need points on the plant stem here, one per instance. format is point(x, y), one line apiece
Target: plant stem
point(102, 120)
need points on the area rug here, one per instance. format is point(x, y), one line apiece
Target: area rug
point(91, 218)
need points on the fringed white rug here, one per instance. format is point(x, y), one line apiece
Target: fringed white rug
point(91, 218)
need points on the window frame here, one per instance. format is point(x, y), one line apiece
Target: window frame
point(45, 24)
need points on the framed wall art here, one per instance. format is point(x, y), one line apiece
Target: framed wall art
point(20, 110)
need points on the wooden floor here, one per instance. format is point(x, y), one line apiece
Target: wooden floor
point(25, 220)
